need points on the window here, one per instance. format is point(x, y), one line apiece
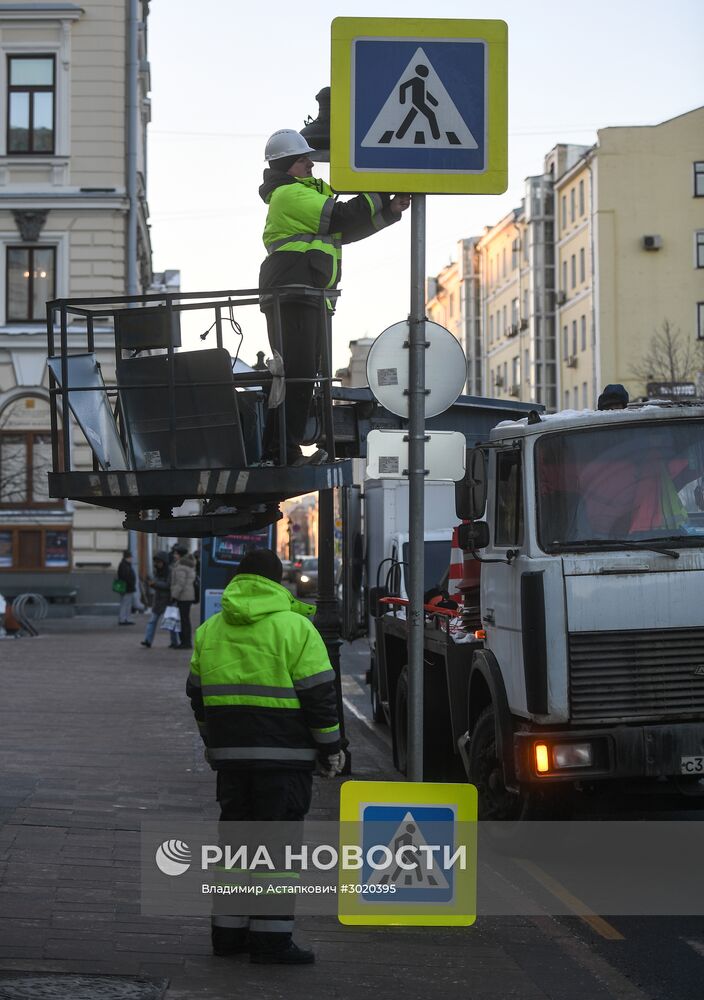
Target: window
point(491, 328)
point(584, 395)
point(504, 327)
point(564, 276)
point(573, 196)
point(582, 265)
point(514, 254)
point(505, 372)
point(35, 547)
point(514, 311)
point(700, 248)
point(700, 320)
point(573, 269)
point(516, 370)
point(30, 104)
point(574, 336)
point(699, 179)
point(509, 500)
point(25, 461)
point(583, 332)
point(567, 399)
point(31, 281)
point(581, 197)
point(563, 205)
point(565, 343)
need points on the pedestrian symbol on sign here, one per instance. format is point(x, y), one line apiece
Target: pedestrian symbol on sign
point(417, 837)
point(435, 119)
point(416, 867)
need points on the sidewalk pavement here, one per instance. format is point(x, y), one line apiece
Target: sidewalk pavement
point(95, 736)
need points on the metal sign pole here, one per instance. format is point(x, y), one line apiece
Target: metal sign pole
point(416, 488)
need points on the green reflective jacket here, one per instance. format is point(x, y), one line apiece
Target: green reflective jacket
point(261, 685)
point(306, 227)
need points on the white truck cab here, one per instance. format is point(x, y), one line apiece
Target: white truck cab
point(592, 575)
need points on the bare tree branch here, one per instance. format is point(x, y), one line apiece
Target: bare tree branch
point(671, 357)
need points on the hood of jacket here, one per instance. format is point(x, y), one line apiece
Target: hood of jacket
point(249, 598)
point(187, 560)
point(274, 179)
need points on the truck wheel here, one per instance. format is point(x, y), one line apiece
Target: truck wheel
point(400, 723)
point(496, 802)
point(378, 714)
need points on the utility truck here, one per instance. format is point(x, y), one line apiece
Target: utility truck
point(577, 657)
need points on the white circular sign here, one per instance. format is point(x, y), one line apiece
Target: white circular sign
point(445, 368)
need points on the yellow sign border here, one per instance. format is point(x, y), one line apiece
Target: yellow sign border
point(494, 180)
point(355, 794)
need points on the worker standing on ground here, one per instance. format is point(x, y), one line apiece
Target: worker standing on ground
point(263, 694)
point(305, 228)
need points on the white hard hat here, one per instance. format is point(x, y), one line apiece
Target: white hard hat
point(286, 142)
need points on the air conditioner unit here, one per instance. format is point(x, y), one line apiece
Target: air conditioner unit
point(524, 324)
point(512, 330)
point(561, 297)
point(515, 390)
point(572, 361)
point(652, 242)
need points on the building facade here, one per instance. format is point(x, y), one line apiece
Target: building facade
point(73, 222)
point(605, 253)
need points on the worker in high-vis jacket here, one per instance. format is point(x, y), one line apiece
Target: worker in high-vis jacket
point(263, 694)
point(305, 228)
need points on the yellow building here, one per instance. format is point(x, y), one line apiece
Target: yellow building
point(605, 251)
point(648, 235)
point(453, 301)
point(73, 222)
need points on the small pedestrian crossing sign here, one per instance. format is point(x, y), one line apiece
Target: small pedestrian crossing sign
point(412, 853)
point(419, 105)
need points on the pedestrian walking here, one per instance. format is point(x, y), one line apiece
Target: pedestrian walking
point(305, 228)
point(262, 691)
point(183, 577)
point(126, 573)
point(160, 584)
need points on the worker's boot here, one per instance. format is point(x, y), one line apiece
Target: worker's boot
point(290, 955)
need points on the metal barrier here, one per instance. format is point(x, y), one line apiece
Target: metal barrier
point(27, 608)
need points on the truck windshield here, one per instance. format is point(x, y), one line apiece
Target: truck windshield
point(632, 483)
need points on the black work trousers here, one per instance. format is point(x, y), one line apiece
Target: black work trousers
point(184, 610)
point(266, 794)
point(302, 330)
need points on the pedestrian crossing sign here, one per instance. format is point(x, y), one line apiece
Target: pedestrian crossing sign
point(407, 853)
point(419, 105)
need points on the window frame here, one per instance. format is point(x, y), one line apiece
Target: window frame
point(698, 176)
point(581, 197)
point(31, 247)
point(31, 89)
point(14, 530)
point(503, 456)
point(700, 320)
point(30, 504)
point(699, 249)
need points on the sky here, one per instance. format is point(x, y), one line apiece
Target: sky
point(226, 75)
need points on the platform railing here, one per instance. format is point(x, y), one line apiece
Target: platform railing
point(220, 306)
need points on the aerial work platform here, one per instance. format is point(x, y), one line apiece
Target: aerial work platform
point(177, 425)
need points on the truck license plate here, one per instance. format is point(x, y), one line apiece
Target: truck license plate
point(692, 765)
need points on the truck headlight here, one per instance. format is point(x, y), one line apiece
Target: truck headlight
point(304, 578)
point(562, 756)
point(572, 755)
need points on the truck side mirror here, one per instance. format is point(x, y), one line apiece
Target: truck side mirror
point(470, 492)
point(474, 535)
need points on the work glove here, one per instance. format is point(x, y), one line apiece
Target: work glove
point(330, 765)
